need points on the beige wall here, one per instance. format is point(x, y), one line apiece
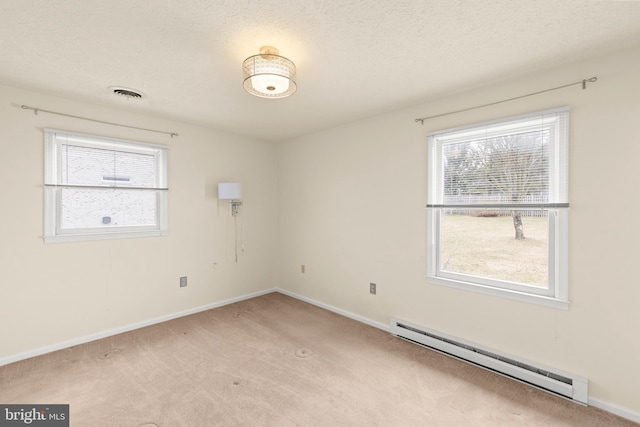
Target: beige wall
point(352, 209)
point(56, 292)
point(349, 203)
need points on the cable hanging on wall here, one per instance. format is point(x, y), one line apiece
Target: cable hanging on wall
point(40, 110)
point(581, 82)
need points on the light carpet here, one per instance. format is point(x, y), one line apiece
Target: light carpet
point(277, 361)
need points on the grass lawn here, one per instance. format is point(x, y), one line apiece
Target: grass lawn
point(486, 246)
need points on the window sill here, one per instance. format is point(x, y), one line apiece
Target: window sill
point(504, 293)
point(103, 236)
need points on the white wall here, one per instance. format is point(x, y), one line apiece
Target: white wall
point(350, 205)
point(352, 209)
point(51, 293)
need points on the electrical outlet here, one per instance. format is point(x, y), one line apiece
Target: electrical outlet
point(183, 281)
point(302, 268)
point(372, 288)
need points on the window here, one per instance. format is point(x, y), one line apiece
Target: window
point(103, 188)
point(498, 208)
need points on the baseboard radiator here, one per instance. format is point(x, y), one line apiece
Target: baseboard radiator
point(561, 383)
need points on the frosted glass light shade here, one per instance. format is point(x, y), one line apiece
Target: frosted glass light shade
point(229, 191)
point(270, 83)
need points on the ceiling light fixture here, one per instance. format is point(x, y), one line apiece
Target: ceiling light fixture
point(269, 75)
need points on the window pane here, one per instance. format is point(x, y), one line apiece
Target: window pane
point(496, 207)
point(103, 188)
point(94, 166)
point(481, 243)
point(512, 167)
point(98, 208)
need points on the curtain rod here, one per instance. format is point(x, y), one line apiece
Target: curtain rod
point(37, 110)
point(581, 82)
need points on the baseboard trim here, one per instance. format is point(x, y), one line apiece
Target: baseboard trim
point(596, 403)
point(337, 310)
point(615, 409)
point(93, 337)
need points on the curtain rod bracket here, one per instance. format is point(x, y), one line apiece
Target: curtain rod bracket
point(35, 110)
point(591, 80)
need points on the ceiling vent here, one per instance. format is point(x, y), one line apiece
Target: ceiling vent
point(126, 92)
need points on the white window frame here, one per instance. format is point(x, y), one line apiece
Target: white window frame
point(53, 232)
point(556, 295)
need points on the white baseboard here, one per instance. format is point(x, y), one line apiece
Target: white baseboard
point(88, 338)
point(339, 311)
point(597, 403)
point(615, 409)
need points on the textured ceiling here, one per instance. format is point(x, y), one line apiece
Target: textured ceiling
point(355, 58)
